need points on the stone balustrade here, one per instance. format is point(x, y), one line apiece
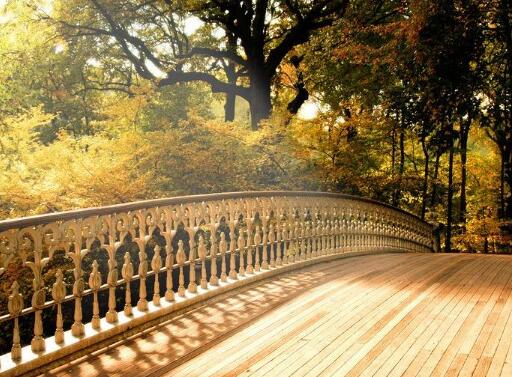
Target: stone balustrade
point(100, 274)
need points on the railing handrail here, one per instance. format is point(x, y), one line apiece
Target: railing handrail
point(28, 221)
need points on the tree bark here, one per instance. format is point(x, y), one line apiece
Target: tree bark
point(300, 86)
point(401, 166)
point(464, 133)
point(507, 174)
point(230, 100)
point(449, 216)
point(425, 178)
point(393, 150)
point(229, 107)
point(260, 103)
point(501, 213)
point(434, 180)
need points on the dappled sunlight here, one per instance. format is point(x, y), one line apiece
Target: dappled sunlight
point(367, 302)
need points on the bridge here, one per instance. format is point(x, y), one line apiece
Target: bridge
point(255, 283)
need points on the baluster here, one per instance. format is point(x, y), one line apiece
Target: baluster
point(112, 278)
point(323, 241)
point(127, 274)
point(308, 234)
point(318, 251)
point(319, 232)
point(169, 263)
point(332, 232)
point(180, 258)
point(302, 247)
point(192, 285)
point(279, 238)
point(38, 300)
point(223, 249)
point(264, 242)
point(241, 250)
point(95, 284)
point(250, 268)
point(289, 258)
point(312, 233)
point(15, 306)
point(328, 240)
point(232, 248)
point(142, 304)
point(257, 242)
point(307, 238)
point(214, 280)
point(58, 294)
point(325, 230)
point(77, 329)
point(336, 236)
point(300, 241)
point(156, 266)
point(286, 238)
point(271, 240)
point(201, 249)
point(295, 242)
point(296, 231)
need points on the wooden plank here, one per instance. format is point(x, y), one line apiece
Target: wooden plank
point(383, 336)
point(386, 315)
point(342, 348)
point(343, 320)
point(383, 358)
point(418, 356)
point(252, 301)
point(472, 365)
point(427, 338)
point(274, 333)
point(471, 314)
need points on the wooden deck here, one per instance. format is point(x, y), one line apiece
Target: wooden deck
point(382, 315)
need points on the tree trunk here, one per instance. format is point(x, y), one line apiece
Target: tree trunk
point(229, 107)
point(434, 180)
point(507, 174)
point(393, 150)
point(449, 217)
point(401, 166)
point(425, 179)
point(464, 133)
point(260, 102)
point(230, 70)
point(501, 213)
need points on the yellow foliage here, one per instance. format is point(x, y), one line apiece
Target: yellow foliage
point(69, 173)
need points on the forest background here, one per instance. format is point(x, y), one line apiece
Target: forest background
point(407, 102)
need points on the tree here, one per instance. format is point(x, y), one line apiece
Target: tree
point(498, 93)
point(258, 35)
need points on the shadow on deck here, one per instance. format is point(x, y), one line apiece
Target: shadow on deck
point(381, 315)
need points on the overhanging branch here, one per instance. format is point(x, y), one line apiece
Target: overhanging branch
point(217, 85)
point(216, 54)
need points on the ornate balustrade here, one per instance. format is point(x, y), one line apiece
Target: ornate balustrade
point(98, 274)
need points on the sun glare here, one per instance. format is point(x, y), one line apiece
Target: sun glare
point(309, 110)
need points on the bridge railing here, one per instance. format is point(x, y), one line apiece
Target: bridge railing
point(80, 278)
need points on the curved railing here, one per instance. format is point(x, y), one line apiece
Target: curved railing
point(96, 273)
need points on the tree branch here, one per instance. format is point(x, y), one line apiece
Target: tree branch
point(318, 17)
point(124, 38)
point(215, 54)
point(217, 85)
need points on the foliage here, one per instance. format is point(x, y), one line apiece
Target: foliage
point(87, 122)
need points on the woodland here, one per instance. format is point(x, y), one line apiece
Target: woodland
point(405, 101)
